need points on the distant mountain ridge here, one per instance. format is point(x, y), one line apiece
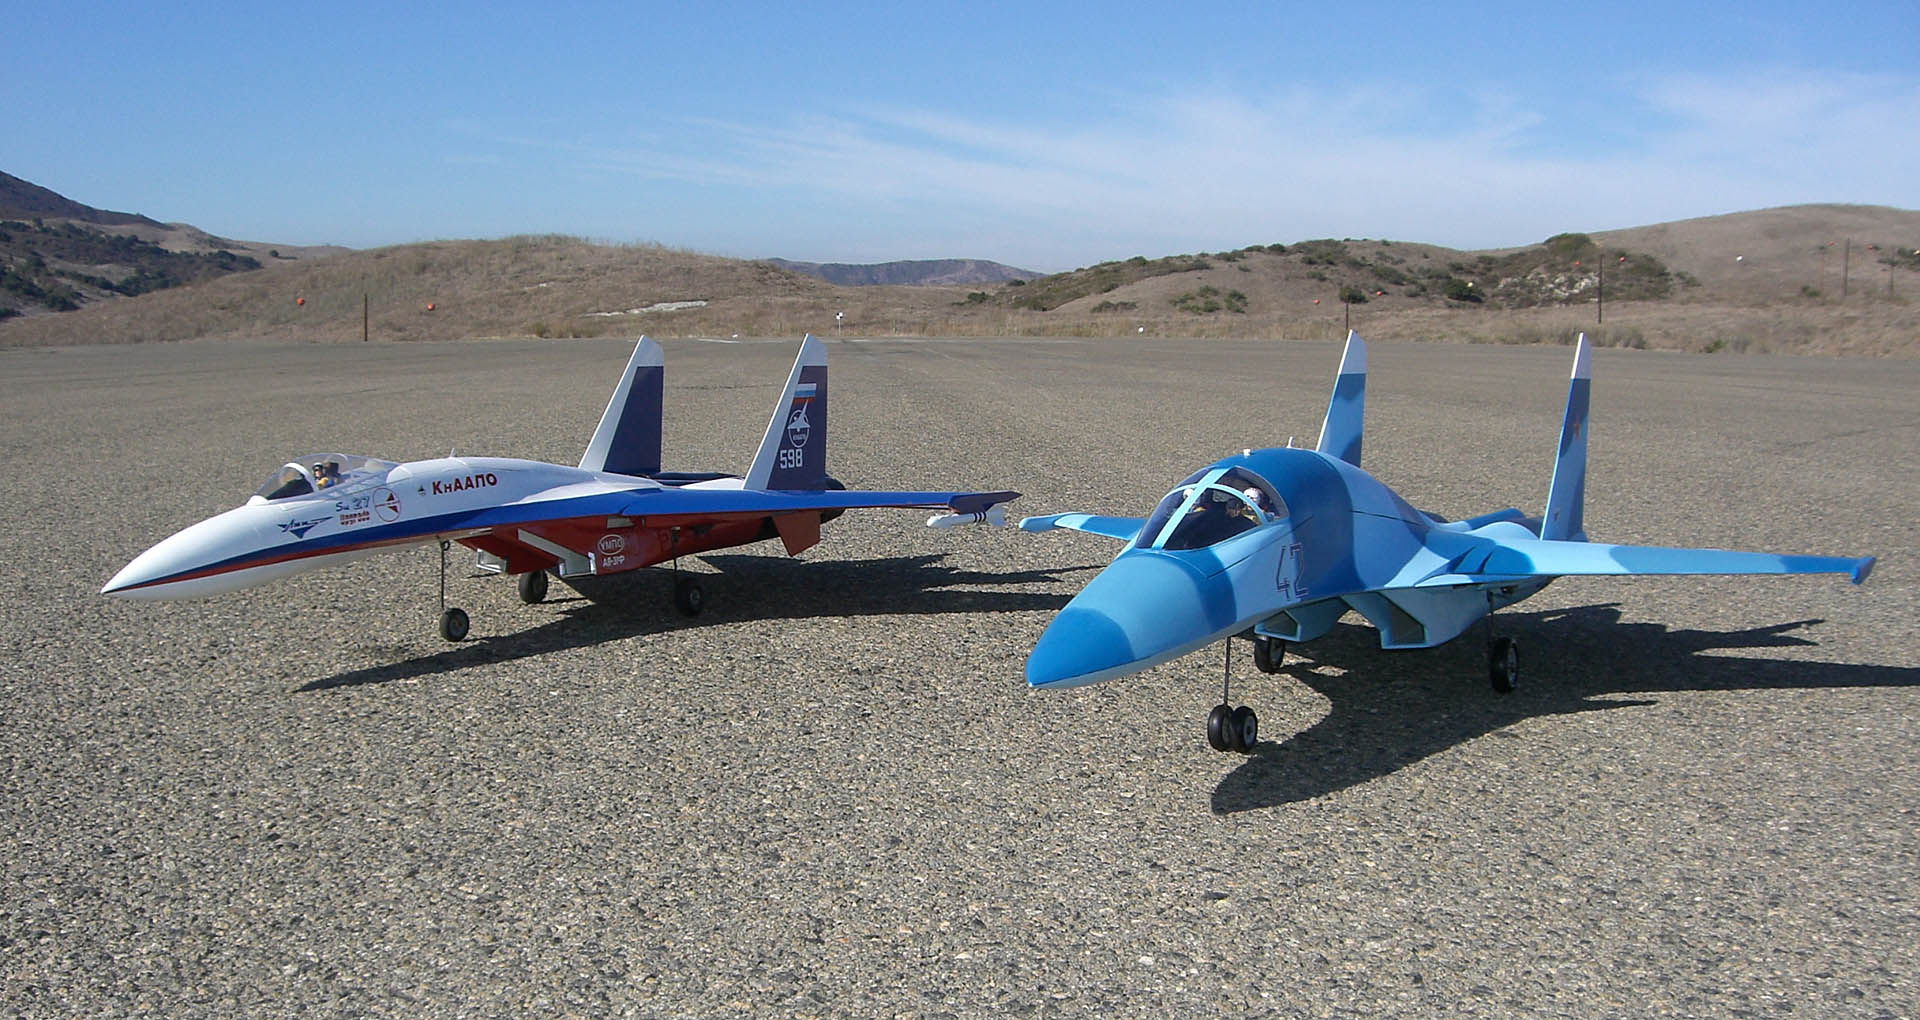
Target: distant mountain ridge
point(25, 200)
point(1809, 279)
point(918, 272)
point(58, 255)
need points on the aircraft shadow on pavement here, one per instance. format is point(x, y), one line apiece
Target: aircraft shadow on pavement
point(1394, 708)
point(747, 588)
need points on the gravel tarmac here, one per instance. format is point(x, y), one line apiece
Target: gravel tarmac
point(833, 795)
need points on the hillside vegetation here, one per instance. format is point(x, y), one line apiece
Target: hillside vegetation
point(57, 267)
point(1808, 279)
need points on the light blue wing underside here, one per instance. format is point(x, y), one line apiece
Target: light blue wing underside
point(1520, 558)
point(1120, 528)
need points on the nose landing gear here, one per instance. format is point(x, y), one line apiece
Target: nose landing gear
point(453, 621)
point(1238, 729)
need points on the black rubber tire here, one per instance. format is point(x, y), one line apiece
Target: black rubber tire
point(1269, 654)
point(453, 624)
point(688, 597)
point(533, 587)
point(1503, 665)
point(1244, 728)
point(1218, 722)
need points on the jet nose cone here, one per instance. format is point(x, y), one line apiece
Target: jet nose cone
point(167, 571)
point(128, 576)
point(1145, 608)
point(1078, 643)
point(137, 579)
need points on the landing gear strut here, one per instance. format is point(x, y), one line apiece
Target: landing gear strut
point(1503, 665)
point(453, 622)
point(1503, 658)
point(1230, 728)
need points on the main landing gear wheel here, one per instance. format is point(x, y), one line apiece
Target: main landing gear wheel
point(533, 587)
point(1269, 654)
point(688, 597)
point(1503, 665)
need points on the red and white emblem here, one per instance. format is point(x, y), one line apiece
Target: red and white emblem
point(386, 504)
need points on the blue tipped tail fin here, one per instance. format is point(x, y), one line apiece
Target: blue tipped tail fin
point(793, 453)
point(627, 440)
point(1340, 431)
point(1567, 496)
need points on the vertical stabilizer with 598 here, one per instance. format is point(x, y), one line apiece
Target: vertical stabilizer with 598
point(1276, 545)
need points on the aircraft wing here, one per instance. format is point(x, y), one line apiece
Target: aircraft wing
point(682, 505)
point(757, 502)
point(1121, 528)
point(1514, 558)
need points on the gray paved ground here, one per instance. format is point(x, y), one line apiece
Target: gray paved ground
point(833, 795)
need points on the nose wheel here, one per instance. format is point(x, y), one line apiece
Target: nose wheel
point(1232, 729)
point(453, 621)
point(1238, 729)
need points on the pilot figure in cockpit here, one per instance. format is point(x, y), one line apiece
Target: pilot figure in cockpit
point(324, 474)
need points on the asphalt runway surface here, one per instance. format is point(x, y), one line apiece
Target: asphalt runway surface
point(833, 795)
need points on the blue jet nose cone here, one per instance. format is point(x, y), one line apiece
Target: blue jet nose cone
point(1079, 642)
point(1145, 608)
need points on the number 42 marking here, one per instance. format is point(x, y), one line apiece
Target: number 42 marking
point(1287, 579)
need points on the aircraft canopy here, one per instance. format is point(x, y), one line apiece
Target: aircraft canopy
point(1211, 506)
point(319, 472)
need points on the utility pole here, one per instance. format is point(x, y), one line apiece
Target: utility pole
point(1600, 305)
point(1846, 266)
point(363, 318)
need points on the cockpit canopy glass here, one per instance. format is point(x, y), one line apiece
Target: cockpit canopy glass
point(1211, 507)
point(321, 472)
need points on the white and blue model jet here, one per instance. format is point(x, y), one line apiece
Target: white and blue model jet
point(1278, 544)
point(617, 511)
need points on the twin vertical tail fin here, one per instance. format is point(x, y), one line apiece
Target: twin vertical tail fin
point(793, 453)
point(1567, 496)
point(627, 441)
point(1340, 431)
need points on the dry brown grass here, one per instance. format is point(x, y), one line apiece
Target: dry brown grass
point(552, 286)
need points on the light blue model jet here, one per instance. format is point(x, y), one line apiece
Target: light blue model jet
point(1278, 544)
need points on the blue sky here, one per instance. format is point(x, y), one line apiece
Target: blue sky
point(1046, 136)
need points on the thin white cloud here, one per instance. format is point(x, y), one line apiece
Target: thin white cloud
point(1209, 170)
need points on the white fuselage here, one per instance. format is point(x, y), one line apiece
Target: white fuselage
point(429, 500)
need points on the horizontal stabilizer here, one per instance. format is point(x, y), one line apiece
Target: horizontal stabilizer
point(1122, 528)
point(979, 502)
point(1515, 558)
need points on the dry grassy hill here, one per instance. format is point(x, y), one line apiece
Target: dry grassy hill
point(1675, 285)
